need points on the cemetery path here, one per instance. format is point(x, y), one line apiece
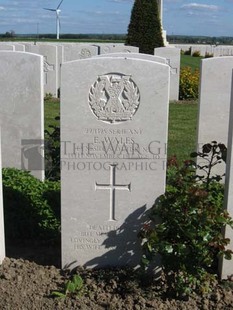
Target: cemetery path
point(26, 285)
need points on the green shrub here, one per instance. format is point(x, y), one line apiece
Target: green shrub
point(209, 55)
point(189, 235)
point(188, 52)
point(144, 30)
point(31, 207)
point(52, 151)
point(189, 83)
point(196, 54)
point(48, 97)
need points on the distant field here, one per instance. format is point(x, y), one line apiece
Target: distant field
point(189, 61)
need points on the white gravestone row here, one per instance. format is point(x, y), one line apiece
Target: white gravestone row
point(136, 56)
point(7, 47)
point(50, 55)
point(214, 103)
point(172, 56)
point(117, 48)
point(2, 231)
point(223, 51)
point(79, 51)
point(204, 50)
point(113, 154)
point(22, 111)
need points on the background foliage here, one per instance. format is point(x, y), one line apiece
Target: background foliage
point(31, 207)
point(144, 30)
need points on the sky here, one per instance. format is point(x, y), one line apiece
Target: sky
point(202, 17)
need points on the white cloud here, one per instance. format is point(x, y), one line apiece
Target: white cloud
point(200, 7)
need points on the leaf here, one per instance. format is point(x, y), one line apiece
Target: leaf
point(78, 282)
point(228, 255)
point(194, 154)
point(69, 287)
point(169, 248)
point(58, 294)
point(207, 148)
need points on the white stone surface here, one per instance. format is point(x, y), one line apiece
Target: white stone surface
point(60, 59)
point(226, 266)
point(79, 51)
point(6, 47)
point(113, 167)
point(2, 230)
point(214, 102)
point(51, 73)
point(172, 56)
point(19, 47)
point(136, 56)
point(116, 48)
point(22, 111)
point(202, 49)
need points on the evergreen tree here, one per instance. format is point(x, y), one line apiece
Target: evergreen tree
point(144, 30)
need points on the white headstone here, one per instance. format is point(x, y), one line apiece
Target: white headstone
point(2, 231)
point(19, 47)
point(79, 51)
point(172, 56)
point(113, 149)
point(202, 49)
point(226, 266)
point(117, 48)
point(136, 56)
point(6, 47)
point(214, 102)
point(22, 111)
point(50, 55)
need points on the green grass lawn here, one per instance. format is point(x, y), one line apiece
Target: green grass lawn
point(189, 61)
point(51, 110)
point(182, 129)
point(182, 126)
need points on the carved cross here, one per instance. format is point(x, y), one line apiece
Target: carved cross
point(172, 70)
point(47, 68)
point(112, 187)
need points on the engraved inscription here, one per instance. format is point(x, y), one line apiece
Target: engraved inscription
point(85, 53)
point(112, 187)
point(114, 98)
point(47, 67)
point(106, 49)
point(172, 70)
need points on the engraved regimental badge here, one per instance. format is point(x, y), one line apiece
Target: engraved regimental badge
point(114, 98)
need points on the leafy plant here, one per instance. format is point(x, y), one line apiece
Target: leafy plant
point(189, 83)
point(48, 97)
point(188, 52)
point(52, 151)
point(28, 208)
point(196, 54)
point(209, 55)
point(188, 234)
point(73, 286)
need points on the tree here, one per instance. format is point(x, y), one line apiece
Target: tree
point(10, 34)
point(145, 29)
